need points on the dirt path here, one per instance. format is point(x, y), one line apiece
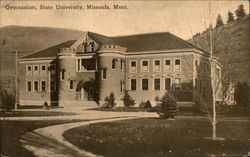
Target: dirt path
point(48, 141)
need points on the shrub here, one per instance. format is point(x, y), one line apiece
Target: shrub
point(7, 100)
point(145, 105)
point(167, 108)
point(157, 98)
point(109, 101)
point(127, 100)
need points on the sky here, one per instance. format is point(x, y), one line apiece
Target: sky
point(181, 17)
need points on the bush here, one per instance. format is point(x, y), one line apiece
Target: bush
point(7, 100)
point(109, 101)
point(145, 105)
point(127, 100)
point(157, 98)
point(167, 108)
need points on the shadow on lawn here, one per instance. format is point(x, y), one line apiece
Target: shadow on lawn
point(44, 145)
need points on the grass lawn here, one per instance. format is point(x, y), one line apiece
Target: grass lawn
point(162, 138)
point(39, 113)
point(11, 131)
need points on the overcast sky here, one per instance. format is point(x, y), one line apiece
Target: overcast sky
point(181, 18)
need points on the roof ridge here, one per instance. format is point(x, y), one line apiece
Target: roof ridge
point(148, 33)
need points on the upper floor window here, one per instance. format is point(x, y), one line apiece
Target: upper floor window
point(121, 86)
point(113, 63)
point(133, 66)
point(167, 64)
point(43, 86)
point(177, 64)
point(86, 64)
point(177, 84)
point(36, 70)
point(85, 47)
point(62, 74)
point(144, 66)
point(157, 84)
point(144, 84)
point(71, 84)
point(121, 64)
point(104, 74)
point(92, 46)
point(43, 70)
point(29, 86)
point(157, 65)
point(133, 84)
point(29, 70)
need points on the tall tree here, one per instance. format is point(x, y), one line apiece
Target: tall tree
point(219, 21)
point(230, 17)
point(240, 12)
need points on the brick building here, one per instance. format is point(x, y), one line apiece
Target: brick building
point(90, 68)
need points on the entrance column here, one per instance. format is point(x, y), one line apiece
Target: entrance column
point(82, 93)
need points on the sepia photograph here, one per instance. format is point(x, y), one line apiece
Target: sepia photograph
point(124, 78)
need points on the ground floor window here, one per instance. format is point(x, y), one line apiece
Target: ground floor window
point(167, 83)
point(177, 84)
point(157, 84)
point(29, 86)
point(71, 84)
point(133, 84)
point(36, 86)
point(144, 84)
point(43, 86)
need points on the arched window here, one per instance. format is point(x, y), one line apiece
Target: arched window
point(92, 46)
point(62, 74)
point(113, 63)
point(85, 46)
point(71, 84)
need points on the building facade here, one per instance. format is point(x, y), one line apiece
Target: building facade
point(90, 68)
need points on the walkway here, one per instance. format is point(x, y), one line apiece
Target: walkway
point(48, 141)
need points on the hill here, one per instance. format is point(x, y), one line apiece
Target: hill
point(231, 44)
point(27, 40)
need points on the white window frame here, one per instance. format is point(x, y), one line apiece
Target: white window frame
point(164, 83)
point(31, 89)
point(41, 86)
point(154, 67)
point(130, 70)
point(175, 84)
point(175, 65)
point(142, 84)
point(154, 84)
point(170, 66)
point(43, 72)
point(29, 73)
point(38, 89)
point(130, 84)
point(143, 66)
point(34, 72)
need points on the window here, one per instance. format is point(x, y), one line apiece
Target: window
point(167, 83)
point(177, 84)
point(43, 86)
point(167, 64)
point(92, 46)
point(78, 64)
point(52, 86)
point(157, 65)
point(104, 74)
point(36, 71)
point(144, 65)
point(85, 46)
point(121, 64)
point(121, 87)
point(36, 86)
point(29, 70)
point(29, 86)
point(113, 63)
point(177, 64)
point(43, 70)
point(157, 84)
point(62, 74)
point(144, 84)
point(71, 84)
point(133, 84)
point(133, 66)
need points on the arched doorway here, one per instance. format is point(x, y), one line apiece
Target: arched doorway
point(86, 91)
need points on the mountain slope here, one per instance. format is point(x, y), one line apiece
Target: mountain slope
point(231, 45)
point(27, 40)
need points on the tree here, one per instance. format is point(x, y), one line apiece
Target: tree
point(219, 21)
point(230, 17)
point(127, 100)
point(242, 93)
point(109, 101)
point(240, 12)
point(167, 108)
